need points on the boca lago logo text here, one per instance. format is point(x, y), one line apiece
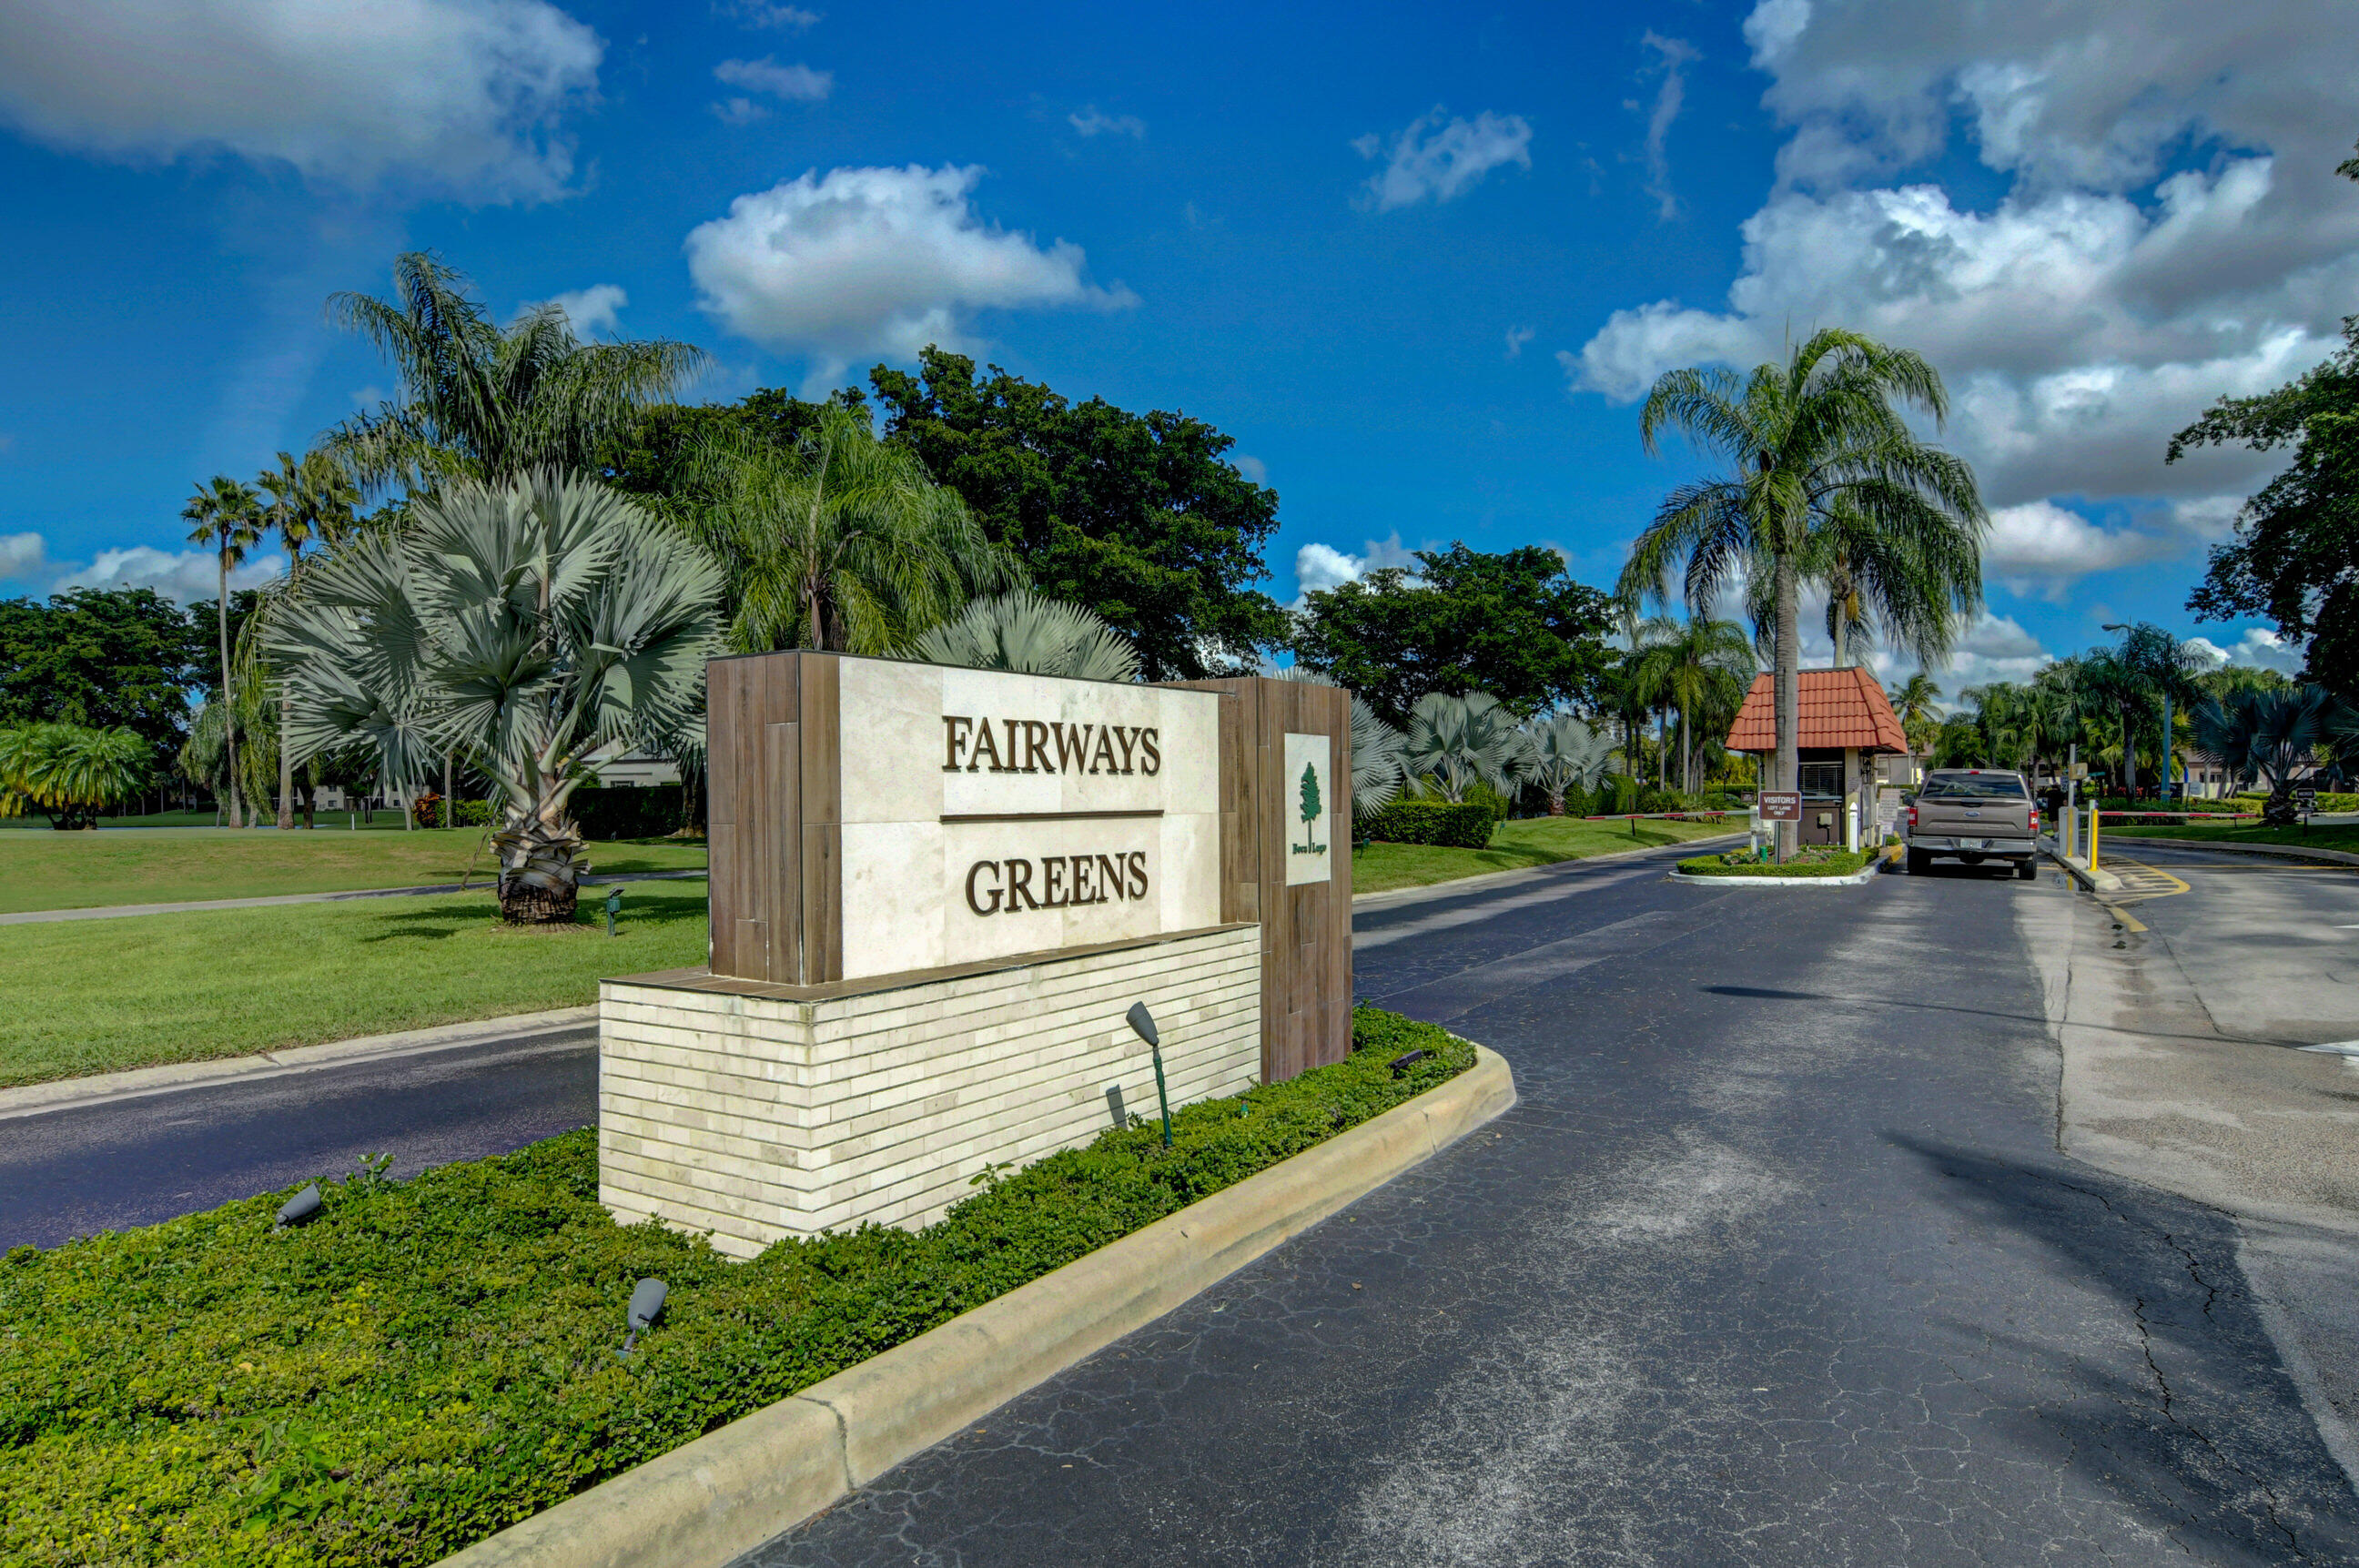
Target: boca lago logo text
point(1011, 885)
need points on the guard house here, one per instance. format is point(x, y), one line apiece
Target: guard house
point(1844, 723)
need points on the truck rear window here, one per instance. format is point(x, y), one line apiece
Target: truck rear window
point(1971, 787)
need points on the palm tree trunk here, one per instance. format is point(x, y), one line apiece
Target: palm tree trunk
point(229, 709)
point(2129, 760)
point(286, 767)
point(448, 815)
point(1789, 695)
point(1687, 756)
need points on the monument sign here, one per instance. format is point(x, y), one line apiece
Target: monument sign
point(936, 892)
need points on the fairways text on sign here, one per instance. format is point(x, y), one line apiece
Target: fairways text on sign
point(1037, 746)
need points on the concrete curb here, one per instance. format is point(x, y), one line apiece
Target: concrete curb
point(1495, 879)
point(1858, 879)
point(2093, 881)
point(275, 901)
point(66, 1094)
point(2280, 851)
point(705, 1504)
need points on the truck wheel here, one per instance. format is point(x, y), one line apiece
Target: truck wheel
point(2026, 870)
point(1919, 863)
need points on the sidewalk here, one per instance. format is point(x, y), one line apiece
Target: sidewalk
point(124, 911)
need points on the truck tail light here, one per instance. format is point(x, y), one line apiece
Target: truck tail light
point(1912, 818)
point(2035, 822)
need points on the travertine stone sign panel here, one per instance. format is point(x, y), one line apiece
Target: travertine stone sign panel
point(876, 817)
point(988, 814)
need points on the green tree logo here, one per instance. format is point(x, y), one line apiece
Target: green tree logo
point(1312, 807)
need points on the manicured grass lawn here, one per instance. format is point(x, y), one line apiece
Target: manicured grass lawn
point(2337, 836)
point(1533, 840)
point(84, 996)
point(87, 870)
point(431, 1360)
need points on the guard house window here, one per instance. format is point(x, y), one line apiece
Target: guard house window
point(1823, 779)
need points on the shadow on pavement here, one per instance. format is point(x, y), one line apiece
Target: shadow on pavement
point(2195, 1425)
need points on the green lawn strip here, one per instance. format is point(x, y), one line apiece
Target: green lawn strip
point(2332, 836)
point(1833, 863)
point(83, 997)
point(163, 865)
point(1531, 841)
point(432, 1360)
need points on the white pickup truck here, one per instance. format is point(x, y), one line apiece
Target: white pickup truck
point(1974, 814)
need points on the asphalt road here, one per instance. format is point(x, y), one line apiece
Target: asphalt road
point(1776, 1261)
point(139, 1159)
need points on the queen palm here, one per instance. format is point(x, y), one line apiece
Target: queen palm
point(483, 401)
point(1819, 458)
point(1913, 705)
point(1700, 669)
point(311, 501)
point(527, 627)
point(228, 518)
point(841, 542)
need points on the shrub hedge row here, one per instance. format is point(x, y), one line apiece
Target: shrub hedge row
point(1813, 861)
point(1466, 826)
point(432, 1360)
point(616, 811)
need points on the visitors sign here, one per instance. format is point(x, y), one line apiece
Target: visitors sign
point(1781, 805)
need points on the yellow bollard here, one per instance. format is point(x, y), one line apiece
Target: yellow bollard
point(2093, 838)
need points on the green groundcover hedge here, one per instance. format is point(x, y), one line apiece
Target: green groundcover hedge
point(1812, 862)
point(431, 1360)
point(1466, 826)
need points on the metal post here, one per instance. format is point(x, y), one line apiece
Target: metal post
point(1162, 1095)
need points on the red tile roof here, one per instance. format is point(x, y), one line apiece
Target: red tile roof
point(1840, 708)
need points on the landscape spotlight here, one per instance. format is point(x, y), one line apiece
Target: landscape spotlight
point(304, 1205)
point(613, 908)
point(1143, 1021)
point(647, 1305)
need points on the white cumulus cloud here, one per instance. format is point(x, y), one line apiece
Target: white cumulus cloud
point(2167, 229)
point(593, 309)
point(455, 97)
point(768, 14)
point(875, 261)
point(2259, 648)
point(1672, 56)
point(1090, 122)
point(21, 555)
point(188, 576)
point(1440, 158)
point(794, 83)
point(1319, 567)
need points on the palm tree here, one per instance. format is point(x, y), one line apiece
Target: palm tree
point(1566, 753)
point(841, 542)
point(1456, 743)
point(228, 518)
point(524, 626)
point(1819, 458)
point(70, 772)
point(2164, 667)
point(1914, 706)
point(310, 500)
point(1030, 634)
point(1375, 748)
point(485, 402)
point(1700, 669)
point(2269, 736)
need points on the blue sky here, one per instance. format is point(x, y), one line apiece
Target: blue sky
point(1418, 263)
